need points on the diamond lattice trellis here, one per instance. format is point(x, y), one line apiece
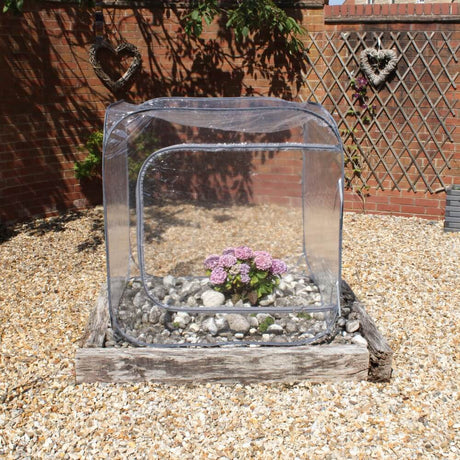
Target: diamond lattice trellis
point(404, 145)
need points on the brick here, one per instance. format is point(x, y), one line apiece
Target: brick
point(402, 200)
point(389, 208)
point(378, 199)
point(413, 210)
point(384, 9)
point(427, 202)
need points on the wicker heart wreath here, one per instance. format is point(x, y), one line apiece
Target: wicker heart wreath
point(125, 49)
point(378, 65)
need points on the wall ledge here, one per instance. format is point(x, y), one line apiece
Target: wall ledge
point(392, 13)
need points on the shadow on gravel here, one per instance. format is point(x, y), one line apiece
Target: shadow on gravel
point(6, 233)
point(38, 227)
point(96, 236)
point(57, 224)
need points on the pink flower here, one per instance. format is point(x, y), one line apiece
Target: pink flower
point(230, 251)
point(278, 267)
point(243, 253)
point(262, 260)
point(245, 278)
point(244, 269)
point(211, 261)
point(218, 275)
point(227, 260)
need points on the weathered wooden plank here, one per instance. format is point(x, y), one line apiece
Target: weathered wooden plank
point(380, 353)
point(232, 364)
point(98, 322)
point(325, 363)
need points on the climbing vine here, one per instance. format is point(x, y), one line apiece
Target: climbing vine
point(364, 113)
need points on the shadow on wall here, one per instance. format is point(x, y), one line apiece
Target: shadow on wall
point(175, 64)
point(58, 101)
point(46, 110)
point(214, 65)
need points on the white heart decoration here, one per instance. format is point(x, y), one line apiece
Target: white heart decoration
point(378, 65)
point(123, 49)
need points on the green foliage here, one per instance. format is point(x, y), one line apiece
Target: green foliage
point(89, 166)
point(268, 321)
point(247, 17)
point(303, 315)
point(202, 11)
point(252, 276)
point(14, 6)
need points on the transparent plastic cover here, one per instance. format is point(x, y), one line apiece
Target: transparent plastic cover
point(189, 178)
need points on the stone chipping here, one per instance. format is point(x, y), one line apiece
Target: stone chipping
point(147, 323)
point(404, 270)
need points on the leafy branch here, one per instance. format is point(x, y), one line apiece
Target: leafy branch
point(16, 6)
point(245, 18)
point(88, 167)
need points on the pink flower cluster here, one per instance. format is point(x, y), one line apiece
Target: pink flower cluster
point(236, 266)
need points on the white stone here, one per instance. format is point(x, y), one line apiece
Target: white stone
point(267, 301)
point(182, 318)
point(352, 325)
point(221, 323)
point(275, 329)
point(209, 325)
point(192, 302)
point(341, 322)
point(319, 315)
point(212, 298)
point(261, 317)
point(139, 299)
point(238, 323)
point(359, 340)
point(253, 322)
point(155, 314)
point(169, 281)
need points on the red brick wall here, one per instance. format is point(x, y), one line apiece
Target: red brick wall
point(413, 19)
point(51, 99)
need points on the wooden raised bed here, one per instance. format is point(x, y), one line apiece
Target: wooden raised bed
point(318, 363)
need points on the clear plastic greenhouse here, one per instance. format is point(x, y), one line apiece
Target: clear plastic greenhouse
point(223, 221)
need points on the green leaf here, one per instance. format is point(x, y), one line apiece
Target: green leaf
point(261, 275)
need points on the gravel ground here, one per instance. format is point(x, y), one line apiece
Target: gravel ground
point(404, 270)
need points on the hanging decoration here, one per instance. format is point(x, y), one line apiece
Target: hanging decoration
point(123, 50)
point(378, 64)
